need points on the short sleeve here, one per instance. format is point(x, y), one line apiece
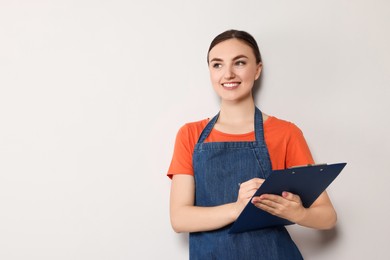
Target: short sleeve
point(181, 162)
point(297, 152)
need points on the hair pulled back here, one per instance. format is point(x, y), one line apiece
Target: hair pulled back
point(239, 35)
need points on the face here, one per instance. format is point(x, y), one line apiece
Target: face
point(233, 70)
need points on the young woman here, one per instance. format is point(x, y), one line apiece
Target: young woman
point(218, 165)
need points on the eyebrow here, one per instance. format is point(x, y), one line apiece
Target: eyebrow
point(235, 58)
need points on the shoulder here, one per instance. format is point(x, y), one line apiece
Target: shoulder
point(286, 143)
point(279, 126)
point(192, 130)
point(193, 127)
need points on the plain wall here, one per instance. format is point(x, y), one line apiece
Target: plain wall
point(92, 94)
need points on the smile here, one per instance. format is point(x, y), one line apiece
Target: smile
point(231, 85)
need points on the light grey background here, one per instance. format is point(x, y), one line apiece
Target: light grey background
point(92, 94)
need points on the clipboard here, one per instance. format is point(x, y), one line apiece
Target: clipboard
point(306, 181)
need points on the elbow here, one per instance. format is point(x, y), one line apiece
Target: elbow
point(176, 227)
point(334, 221)
point(177, 230)
point(331, 223)
point(176, 224)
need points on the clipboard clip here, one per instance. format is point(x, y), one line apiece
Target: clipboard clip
point(308, 165)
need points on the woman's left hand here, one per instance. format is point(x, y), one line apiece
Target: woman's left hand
point(288, 206)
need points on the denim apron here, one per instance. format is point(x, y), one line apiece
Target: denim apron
point(219, 167)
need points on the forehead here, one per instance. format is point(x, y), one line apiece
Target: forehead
point(230, 49)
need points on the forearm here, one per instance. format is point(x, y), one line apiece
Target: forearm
point(196, 219)
point(319, 217)
point(185, 217)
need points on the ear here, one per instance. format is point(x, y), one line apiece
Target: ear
point(258, 70)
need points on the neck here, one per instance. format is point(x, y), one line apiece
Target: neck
point(237, 112)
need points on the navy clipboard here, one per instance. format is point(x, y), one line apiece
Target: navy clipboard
point(306, 181)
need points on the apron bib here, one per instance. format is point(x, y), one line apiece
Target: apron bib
point(218, 169)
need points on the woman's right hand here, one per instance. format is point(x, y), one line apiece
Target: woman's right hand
point(247, 190)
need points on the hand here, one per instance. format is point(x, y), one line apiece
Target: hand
point(288, 206)
point(247, 189)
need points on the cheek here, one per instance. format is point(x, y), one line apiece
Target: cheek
point(249, 75)
point(214, 77)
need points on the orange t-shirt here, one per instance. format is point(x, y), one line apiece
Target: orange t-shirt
point(285, 142)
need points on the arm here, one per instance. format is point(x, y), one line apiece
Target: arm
point(185, 217)
point(320, 215)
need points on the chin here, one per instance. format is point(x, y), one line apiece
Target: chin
point(235, 98)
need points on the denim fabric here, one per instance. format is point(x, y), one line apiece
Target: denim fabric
point(219, 167)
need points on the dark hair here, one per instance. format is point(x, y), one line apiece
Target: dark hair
point(239, 35)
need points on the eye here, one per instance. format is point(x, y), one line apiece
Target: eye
point(216, 65)
point(240, 63)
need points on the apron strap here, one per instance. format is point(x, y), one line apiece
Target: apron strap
point(207, 130)
point(262, 154)
point(259, 132)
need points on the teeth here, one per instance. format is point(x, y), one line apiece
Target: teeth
point(230, 85)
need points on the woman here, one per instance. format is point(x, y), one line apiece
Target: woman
point(218, 165)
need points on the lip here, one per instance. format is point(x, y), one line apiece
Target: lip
point(230, 85)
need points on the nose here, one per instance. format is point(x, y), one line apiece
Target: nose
point(229, 73)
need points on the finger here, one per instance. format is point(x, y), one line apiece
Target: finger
point(245, 195)
point(275, 198)
point(266, 208)
point(291, 196)
point(246, 192)
point(258, 180)
point(269, 203)
point(254, 181)
point(248, 188)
